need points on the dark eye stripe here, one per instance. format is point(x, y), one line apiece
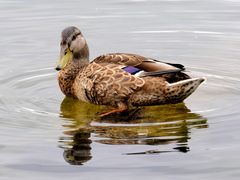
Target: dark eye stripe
point(75, 36)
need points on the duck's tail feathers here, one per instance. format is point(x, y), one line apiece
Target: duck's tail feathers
point(157, 92)
point(178, 91)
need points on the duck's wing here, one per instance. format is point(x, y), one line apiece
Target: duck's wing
point(107, 84)
point(133, 63)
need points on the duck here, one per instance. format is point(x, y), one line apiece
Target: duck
point(119, 80)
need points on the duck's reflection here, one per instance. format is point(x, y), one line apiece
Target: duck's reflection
point(78, 151)
point(158, 125)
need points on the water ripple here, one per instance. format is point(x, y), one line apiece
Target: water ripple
point(29, 95)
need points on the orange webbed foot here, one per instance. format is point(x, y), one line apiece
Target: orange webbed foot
point(121, 108)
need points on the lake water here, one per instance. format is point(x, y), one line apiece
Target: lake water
point(46, 136)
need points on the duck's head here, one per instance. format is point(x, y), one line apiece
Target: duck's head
point(73, 47)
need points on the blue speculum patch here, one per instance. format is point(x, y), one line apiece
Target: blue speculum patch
point(131, 69)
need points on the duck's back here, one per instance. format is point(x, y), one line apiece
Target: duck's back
point(106, 85)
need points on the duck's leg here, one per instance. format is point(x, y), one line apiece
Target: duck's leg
point(121, 107)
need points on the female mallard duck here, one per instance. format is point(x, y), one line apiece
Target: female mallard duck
point(119, 80)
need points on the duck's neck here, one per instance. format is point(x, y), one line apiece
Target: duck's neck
point(68, 74)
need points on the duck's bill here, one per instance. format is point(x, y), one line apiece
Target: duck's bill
point(63, 60)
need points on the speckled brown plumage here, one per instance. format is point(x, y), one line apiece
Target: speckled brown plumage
point(104, 81)
point(105, 84)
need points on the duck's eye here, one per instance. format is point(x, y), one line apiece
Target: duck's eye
point(63, 43)
point(73, 38)
point(65, 52)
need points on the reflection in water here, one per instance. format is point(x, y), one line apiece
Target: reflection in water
point(77, 150)
point(155, 125)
